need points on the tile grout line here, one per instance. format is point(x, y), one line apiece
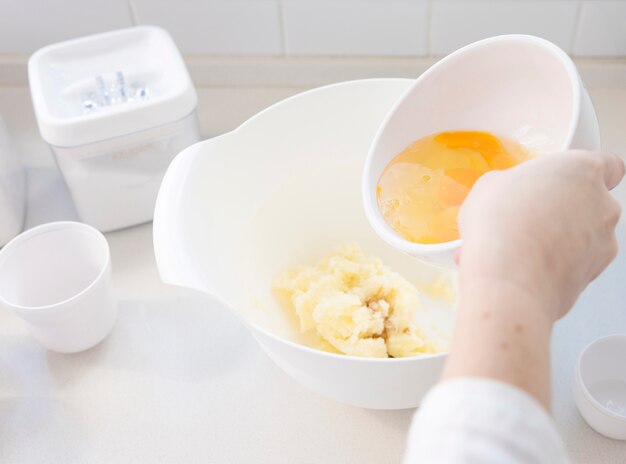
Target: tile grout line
point(429, 29)
point(131, 11)
point(281, 21)
point(579, 14)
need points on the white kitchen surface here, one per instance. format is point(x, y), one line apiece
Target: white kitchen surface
point(180, 380)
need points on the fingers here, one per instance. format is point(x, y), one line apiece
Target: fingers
point(613, 210)
point(605, 258)
point(606, 163)
point(613, 168)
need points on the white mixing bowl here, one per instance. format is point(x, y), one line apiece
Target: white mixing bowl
point(285, 189)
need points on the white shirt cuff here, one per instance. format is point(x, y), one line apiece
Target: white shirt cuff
point(482, 421)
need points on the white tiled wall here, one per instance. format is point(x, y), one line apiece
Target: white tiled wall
point(26, 25)
point(216, 27)
point(322, 27)
point(457, 23)
point(356, 27)
point(602, 29)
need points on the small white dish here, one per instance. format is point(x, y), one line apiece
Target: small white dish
point(518, 86)
point(600, 386)
point(57, 278)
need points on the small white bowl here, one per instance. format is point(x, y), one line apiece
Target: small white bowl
point(600, 386)
point(518, 86)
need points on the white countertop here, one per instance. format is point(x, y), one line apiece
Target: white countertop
point(181, 380)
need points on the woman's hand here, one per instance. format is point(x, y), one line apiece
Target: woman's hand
point(533, 237)
point(546, 226)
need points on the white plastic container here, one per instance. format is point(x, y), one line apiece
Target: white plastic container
point(12, 189)
point(115, 108)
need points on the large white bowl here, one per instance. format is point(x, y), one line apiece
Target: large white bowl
point(282, 190)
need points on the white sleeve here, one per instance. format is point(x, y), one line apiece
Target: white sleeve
point(482, 421)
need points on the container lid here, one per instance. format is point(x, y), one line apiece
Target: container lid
point(108, 85)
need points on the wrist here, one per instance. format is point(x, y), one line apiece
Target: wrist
point(505, 298)
point(509, 280)
point(502, 332)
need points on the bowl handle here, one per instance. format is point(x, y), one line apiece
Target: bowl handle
point(171, 255)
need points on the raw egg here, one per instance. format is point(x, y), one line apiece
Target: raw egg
point(421, 190)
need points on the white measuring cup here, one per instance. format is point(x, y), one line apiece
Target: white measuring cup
point(57, 278)
point(518, 86)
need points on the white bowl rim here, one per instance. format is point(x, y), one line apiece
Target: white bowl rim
point(583, 386)
point(424, 249)
point(33, 232)
point(261, 113)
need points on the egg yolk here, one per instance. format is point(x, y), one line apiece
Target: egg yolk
point(421, 190)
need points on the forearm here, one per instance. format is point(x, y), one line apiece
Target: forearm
point(503, 334)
